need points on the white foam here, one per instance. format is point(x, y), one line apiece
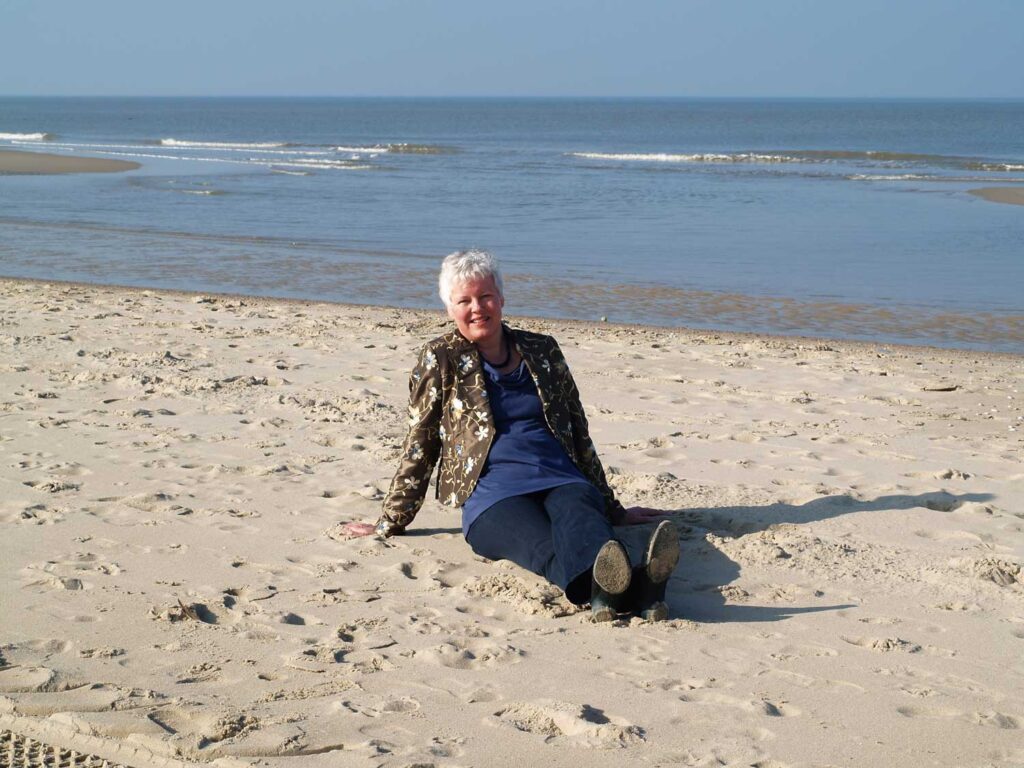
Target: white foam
point(221, 144)
point(926, 177)
point(896, 177)
point(25, 136)
point(703, 157)
point(361, 150)
point(289, 151)
point(1001, 167)
point(337, 165)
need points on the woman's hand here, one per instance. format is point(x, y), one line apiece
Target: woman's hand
point(354, 529)
point(641, 515)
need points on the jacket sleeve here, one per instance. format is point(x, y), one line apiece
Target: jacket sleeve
point(588, 461)
point(422, 445)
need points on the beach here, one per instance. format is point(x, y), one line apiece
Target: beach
point(176, 590)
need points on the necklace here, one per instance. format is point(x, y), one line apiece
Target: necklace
point(508, 352)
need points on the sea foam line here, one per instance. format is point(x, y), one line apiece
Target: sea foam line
point(83, 145)
point(222, 144)
point(931, 177)
point(703, 157)
point(820, 156)
point(334, 165)
point(26, 137)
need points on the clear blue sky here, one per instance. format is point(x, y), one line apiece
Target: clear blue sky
point(926, 48)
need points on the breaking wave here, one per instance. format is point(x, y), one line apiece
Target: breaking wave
point(875, 158)
point(421, 149)
point(931, 177)
point(222, 144)
point(27, 137)
point(701, 157)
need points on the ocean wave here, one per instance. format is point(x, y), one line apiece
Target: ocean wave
point(878, 158)
point(205, 192)
point(931, 177)
point(222, 144)
point(700, 157)
point(340, 166)
point(871, 154)
point(421, 149)
point(27, 137)
point(345, 165)
point(377, 149)
point(905, 159)
point(995, 167)
point(109, 146)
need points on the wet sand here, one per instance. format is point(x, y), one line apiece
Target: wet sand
point(17, 162)
point(176, 588)
point(1009, 195)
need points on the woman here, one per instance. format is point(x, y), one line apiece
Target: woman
point(500, 410)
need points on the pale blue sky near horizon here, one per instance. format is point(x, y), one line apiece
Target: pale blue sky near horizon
point(647, 48)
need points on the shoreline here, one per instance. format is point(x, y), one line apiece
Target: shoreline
point(795, 340)
point(15, 162)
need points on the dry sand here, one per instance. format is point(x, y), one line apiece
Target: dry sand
point(175, 470)
point(1010, 195)
point(16, 162)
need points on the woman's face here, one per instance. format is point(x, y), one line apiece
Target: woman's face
point(476, 309)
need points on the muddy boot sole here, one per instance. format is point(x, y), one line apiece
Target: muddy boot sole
point(662, 555)
point(611, 577)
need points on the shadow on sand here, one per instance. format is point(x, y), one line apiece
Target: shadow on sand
point(695, 589)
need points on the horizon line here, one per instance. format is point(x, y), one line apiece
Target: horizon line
point(538, 97)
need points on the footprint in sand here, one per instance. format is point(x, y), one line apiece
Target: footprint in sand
point(52, 486)
point(809, 681)
point(38, 514)
point(990, 719)
point(17, 679)
point(676, 684)
point(752, 705)
point(72, 572)
point(377, 706)
point(371, 633)
point(461, 653)
point(883, 644)
point(559, 723)
point(209, 725)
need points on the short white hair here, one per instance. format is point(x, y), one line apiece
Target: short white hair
point(461, 266)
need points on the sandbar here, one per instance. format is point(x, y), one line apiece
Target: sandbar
point(1008, 195)
point(16, 162)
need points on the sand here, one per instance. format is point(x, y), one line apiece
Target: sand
point(174, 589)
point(16, 162)
point(1009, 195)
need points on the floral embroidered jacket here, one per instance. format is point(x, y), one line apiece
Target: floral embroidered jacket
point(450, 420)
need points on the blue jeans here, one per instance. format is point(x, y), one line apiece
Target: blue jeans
point(555, 533)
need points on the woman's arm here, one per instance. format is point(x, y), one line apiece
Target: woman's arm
point(421, 448)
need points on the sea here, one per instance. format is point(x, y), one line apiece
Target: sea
point(836, 218)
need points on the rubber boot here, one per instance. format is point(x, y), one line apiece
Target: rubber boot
point(660, 560)
point(611, 576)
